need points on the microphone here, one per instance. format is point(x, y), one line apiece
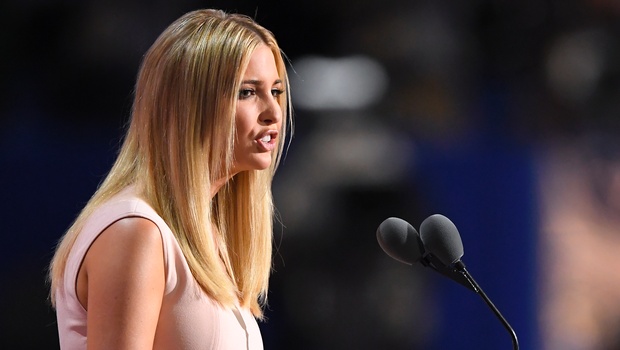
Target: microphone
point(439, 247)
point(442, 239)
point(401, 242)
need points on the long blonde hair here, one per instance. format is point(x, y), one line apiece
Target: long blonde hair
point(181, 139)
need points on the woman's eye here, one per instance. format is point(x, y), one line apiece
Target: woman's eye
point(276, 92)
point(245, 93)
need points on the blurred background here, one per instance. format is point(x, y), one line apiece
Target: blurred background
point(501, 115)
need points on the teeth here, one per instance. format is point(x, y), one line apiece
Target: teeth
point(266, 138)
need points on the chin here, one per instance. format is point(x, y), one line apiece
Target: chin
point(262, 166)
point(256, 164)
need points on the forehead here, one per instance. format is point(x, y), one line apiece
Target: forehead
point(262, 63)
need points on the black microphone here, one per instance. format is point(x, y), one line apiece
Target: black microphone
point(401, 242)
point(442, 239)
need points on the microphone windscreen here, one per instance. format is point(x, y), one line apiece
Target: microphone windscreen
point(400, 240)
point(441, 238)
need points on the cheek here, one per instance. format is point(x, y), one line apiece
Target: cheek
point(243, 122)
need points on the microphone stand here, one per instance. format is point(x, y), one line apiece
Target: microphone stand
point(431, 261)
point(460, 267)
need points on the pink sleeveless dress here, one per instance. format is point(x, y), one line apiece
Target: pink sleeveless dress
point(189, 318)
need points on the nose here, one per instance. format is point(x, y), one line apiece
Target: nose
point(271, 113)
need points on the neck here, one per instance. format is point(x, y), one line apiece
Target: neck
point(218, 184)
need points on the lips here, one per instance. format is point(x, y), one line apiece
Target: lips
point(267, 141)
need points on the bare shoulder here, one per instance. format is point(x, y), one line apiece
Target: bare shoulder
point(123, 285)
point(134, 228)
point(125, 254)
point(130, 238)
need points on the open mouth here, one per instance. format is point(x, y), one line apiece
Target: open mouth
point(268, 141)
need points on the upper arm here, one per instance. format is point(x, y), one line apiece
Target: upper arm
point(125, 285)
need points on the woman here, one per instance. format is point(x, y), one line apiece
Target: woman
point(173, 251)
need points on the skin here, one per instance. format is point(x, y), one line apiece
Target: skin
point(258, 112)
point(121, 281)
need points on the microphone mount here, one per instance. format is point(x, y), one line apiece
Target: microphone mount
point(432, 262)
point(459, 266)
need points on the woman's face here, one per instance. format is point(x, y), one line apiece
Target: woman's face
point(258, 116)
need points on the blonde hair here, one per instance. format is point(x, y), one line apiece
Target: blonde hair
point(181, 139)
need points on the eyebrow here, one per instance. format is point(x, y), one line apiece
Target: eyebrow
point(259, 82)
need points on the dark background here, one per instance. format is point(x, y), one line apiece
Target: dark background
point(479, 92)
